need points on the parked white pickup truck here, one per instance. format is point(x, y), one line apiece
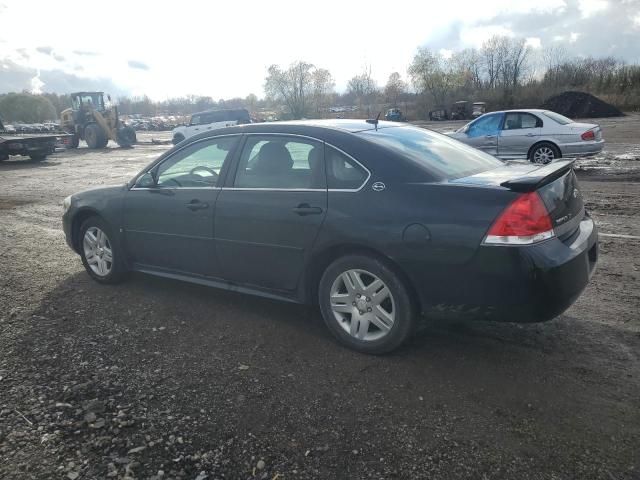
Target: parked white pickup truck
point(210, 120)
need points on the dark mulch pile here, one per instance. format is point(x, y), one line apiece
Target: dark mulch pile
point(580, 105)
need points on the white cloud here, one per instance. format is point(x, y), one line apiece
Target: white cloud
point(446, 53)
point(591, 7)
point(533, 42)
point(573, 38)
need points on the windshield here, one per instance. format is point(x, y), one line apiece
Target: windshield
point(556, 117)
point(440, 155)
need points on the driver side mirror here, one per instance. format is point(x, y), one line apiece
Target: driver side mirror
point(148, 180)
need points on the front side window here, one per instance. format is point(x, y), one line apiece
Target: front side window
point(485, 125)
point(195, 120)
point(518, 121)
point(198, 165)
point(281, 162)
point(342, 172)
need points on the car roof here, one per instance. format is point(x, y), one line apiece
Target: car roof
point(221, 110)
point(537, 110)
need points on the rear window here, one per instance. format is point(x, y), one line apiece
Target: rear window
point(440, 155)
point(556, 117)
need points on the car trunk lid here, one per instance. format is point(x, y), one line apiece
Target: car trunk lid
point(556, 183)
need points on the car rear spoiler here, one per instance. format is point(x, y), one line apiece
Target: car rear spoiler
point(538, 177)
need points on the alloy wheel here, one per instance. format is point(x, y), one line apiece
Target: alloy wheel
point(543, 155)
point(362, 304)
point(98, 251)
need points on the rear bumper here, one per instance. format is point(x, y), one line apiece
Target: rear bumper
point(582, 149)
point(514, 284)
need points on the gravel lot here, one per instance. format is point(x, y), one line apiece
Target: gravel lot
point(158, 379)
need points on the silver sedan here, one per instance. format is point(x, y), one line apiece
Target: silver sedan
point(538, 135)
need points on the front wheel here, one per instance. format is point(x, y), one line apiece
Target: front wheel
point(126, 137)
point(366, 304)
point(101, 256)
point(544, 153)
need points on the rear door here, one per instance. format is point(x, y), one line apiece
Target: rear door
point(520, 130)
point(270, 211)
point(483, 133)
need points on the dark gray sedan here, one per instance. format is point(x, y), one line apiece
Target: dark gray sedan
point(538, 135)
point(375, 222)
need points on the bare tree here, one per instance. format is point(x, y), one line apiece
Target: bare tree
point(394, 88)
point(292, 86)
point(323, 85)
point(491, 52)
point(468, 63)
point(431, 74)
point(363, 87)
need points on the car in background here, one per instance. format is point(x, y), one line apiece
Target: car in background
point(394, 115)
point(540, 136)
point(478, 109)
point(375, 222)
point(210, 120)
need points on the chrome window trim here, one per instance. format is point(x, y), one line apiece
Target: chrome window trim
point(351, 190)
point(269, 189)
point(175, 188)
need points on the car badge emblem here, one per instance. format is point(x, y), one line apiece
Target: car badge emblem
point(378, 186)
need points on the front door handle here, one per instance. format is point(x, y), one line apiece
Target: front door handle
point(531, 134)
point(196, 204)
point(306, 209)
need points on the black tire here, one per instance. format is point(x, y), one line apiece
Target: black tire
point(543, 153)
point(117, 270)
point(94, 136)
point(126, 137)
point(177, 138)
point(38, 157)
point(404, 307)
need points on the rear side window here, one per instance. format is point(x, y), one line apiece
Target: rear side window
point(556, 117)
point(342, 172)
point(518, 121)
point(438, 154)
point(281, 162)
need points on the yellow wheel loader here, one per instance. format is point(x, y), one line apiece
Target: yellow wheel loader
point(90, 120)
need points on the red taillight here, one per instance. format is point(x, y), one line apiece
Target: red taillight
point(588, 135)
point(524, 221)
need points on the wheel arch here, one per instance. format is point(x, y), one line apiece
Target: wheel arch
point(540, 142)
point(78, 219)
point(321, 260)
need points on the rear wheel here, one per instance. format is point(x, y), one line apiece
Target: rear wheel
point(101, 255)
point(38, 157)
point(366, 305)
point(94, 136)
point(126, 136)
point(544, 153)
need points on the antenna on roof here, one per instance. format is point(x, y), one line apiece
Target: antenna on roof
point(374, 121)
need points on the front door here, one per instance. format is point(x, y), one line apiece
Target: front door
point(483, 133)
point(168, 221)
point(269, 213)
point(519, 132)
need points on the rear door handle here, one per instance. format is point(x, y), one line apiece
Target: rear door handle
point(306, 209)
point(196, 204)
point(531, 134)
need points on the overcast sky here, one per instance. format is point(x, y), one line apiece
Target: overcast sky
point(222, 49)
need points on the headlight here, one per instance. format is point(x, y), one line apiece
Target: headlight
point(66, 203)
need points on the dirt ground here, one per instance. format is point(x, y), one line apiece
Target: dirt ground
point(159, 379)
